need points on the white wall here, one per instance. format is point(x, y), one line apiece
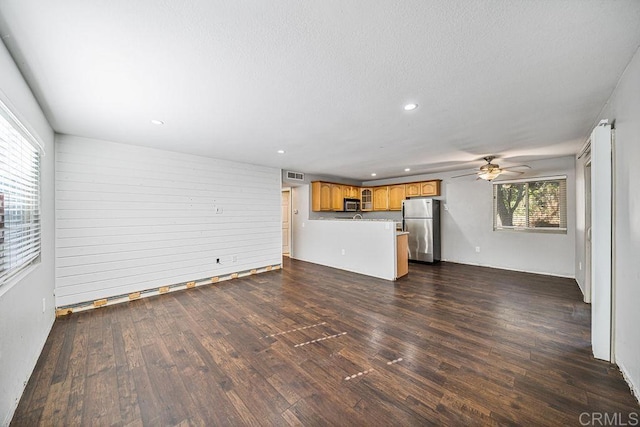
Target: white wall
point(370, 246)
point(131, 218)
point(624, 108)
point(468, 223)
point(23, 324)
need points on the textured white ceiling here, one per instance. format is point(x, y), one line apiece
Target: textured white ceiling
point(326, 80)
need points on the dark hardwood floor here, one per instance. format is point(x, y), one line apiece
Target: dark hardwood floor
point(309, 345)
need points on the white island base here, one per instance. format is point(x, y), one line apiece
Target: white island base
point(360, 246)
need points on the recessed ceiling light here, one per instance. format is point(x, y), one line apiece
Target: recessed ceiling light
point(157, 122)
point(373, 174)
point(410, 107)
point(281, 151)
point(407, 169)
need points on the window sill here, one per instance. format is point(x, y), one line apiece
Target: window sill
point(533, 230)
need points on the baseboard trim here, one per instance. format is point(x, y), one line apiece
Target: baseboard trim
point(119, 299)
point(543, 273)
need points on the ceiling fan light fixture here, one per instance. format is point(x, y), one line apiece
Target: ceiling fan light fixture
point(490, 174)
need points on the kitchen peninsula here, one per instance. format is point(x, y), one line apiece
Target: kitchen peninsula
point(362, 246)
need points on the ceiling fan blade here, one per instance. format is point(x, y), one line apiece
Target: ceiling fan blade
point(519, 166)
point(466, 174)
point(510, 171)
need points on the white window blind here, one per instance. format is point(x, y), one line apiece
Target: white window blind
point(534, 205)
point(19, 197)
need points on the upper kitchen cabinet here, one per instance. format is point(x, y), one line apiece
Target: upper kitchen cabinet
point(396, 196)
point(351, 192)
point(337, 197)
point(430, 188)
point(326, 196)
point(320, 196)
point(412, 189)
point(425, 188)
point(380, 198)
point(366, 199)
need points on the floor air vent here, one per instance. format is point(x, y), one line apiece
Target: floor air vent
point(296, 176)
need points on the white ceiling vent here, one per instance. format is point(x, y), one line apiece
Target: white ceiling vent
point(296, 176)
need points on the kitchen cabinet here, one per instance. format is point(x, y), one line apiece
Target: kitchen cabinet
point(402, 254)
point(412, 189)
point(425, 188)
point(337, 198)
point(351, 192)
point(430, 188)
point(396, 196)
point(327, 196)
point(320, 196)
point(366, 199)
point(381, 198)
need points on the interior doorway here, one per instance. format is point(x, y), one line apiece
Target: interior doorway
point(286, 222)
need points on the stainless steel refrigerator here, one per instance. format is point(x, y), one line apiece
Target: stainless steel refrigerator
point(421, 218)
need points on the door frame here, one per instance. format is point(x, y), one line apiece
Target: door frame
point(587, 230)
point(602, 242)
point(288, 190)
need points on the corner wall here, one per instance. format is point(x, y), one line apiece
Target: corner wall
point(24, 325)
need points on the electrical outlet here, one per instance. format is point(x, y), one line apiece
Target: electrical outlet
point(343, 252)
point(478, 249)
point(235, 258)
point(44, 305)
point(580, 265)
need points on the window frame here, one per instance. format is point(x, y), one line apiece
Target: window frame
point(20, 142)
point(548, 230)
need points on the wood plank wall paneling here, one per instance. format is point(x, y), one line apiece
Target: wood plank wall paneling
point(132, 218)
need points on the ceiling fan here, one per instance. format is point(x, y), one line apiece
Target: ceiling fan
point(491, 171)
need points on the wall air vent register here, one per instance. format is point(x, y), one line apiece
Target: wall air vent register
point(296, 176)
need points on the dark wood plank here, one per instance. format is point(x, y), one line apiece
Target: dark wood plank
point(478, 346)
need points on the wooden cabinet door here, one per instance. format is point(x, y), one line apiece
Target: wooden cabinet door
point(337, 198)
point(315, 196)
point(325, 196)
point(320, 196)
point(366, 199)
point(396, 196)
point(430, 188)
point(413, 189)
point(402, 255)
point(381, 199)
point(347, 192)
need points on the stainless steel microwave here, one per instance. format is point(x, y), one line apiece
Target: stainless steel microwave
point(351, 205)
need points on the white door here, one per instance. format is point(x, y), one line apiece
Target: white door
point(286, 221)
point(601, 242)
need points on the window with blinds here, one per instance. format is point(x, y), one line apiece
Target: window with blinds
point(19, 197)
point(534, 205)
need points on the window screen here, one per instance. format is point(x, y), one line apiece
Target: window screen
point(19, 197)
point(533, 205)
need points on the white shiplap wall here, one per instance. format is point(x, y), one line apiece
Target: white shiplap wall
point(132, 218)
